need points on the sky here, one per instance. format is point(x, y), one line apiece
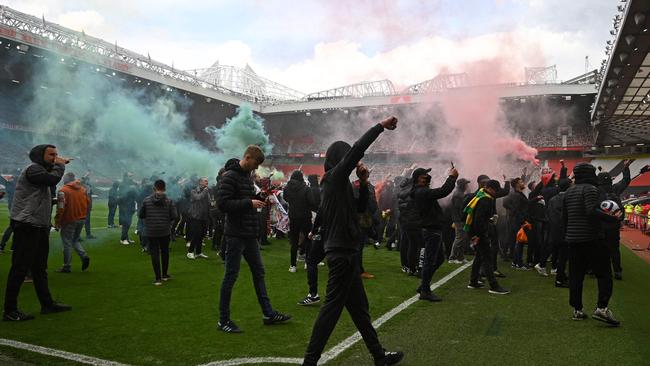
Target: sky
point(317, 45)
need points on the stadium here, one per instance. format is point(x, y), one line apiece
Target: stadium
point(102, 104)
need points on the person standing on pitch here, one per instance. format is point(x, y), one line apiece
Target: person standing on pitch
point(31, 220)
point(72, 207)
point(199, 214)
point(236, 199)
point(340, 232)
point(158, 212)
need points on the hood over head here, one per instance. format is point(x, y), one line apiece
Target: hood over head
point(585, 173)
point(37, 155)
point(297, 175)
point(335, 154)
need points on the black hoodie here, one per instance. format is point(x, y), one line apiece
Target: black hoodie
point(339, 210)
point(158, 212)
point(235, 195)
point(301, 199)
point(609, 191)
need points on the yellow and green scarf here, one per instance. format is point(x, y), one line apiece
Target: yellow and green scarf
point(469, 209)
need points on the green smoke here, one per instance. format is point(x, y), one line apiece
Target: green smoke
point(246, 128)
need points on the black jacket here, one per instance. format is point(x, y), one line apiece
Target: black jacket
point(158, 212)
point(480, 227)
point(457, 207)
point(339, 210)
point(582, 215)
point(516, 205)
point(112, 195)
point(427, 202)
point(609, 191)
point(409, 215)
point(235, 194)
point(554, 217)
point(301, 199)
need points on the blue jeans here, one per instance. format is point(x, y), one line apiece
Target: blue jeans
point(70, 234)
point(249, 249)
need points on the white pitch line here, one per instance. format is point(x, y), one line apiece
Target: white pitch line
point(60, 354)
point(348, 342)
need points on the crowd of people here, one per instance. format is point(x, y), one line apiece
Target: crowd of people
point(562, 219)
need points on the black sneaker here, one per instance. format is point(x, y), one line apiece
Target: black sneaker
point(429, 296)
point(618, 276)
point(16, 316)
point(561, 284)
point(476, 285)
point(55, 307)
point(309, 300)
point(499, 291)
point(63, 270)
point(605, 315)
point(390, 358)
point(578, 315)
point(85, 263)
point(276, 318)
point(228, 327)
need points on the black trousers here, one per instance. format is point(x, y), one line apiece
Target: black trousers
point(198, 229)
point(344, 289)
point(217, 235)
point(592, 255)
point(159, 251)
point(299, 228)
point(403, 242)
point(32, 247)
point(483, 263)
point(562, 258)
point(111, 214)
point(315, 255)
point(415, 243)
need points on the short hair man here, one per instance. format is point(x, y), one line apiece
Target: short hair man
point(236, 199)
point(31, 219)
point(72, 207)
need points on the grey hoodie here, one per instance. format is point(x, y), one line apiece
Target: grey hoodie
point(33, 198)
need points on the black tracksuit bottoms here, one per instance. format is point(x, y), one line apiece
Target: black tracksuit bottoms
point(582, 257)
point(344, 289)
point(32, 247)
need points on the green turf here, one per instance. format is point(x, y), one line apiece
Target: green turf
point(118, 315)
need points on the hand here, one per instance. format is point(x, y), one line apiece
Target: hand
point(389, 123)
point(62, 160)
point(363, 173)
point(310, 236)
point(258, 203)
point(453, 172)
point(627, 162)
point(475, 240)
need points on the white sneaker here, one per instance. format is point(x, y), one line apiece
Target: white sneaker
point(321, 264)
point(136, 232)
point(292, 269)
point(553, 271)
point(131, 241)
point(201, 256)
point(187, 245)
point(124, 242)
point(540, 270)
point(190, 256)
point(377, 245)
point(455, 261)
point(305, 265)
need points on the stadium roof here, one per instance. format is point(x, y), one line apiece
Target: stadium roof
point(622, 109)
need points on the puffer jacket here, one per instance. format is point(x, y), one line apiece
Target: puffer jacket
point(235, 194)
point(158, 212)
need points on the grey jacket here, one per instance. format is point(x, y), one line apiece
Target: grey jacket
point(33, 198)
point(200, 204)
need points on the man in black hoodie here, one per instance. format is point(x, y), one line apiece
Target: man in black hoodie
point(236, 199)
point(301, 200)
point(612, 230)
point(432, 218)
point(112, 204)
point(583, 219)
point(31, 220)
point(340, 232)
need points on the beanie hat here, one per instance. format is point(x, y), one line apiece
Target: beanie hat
point(68, 177)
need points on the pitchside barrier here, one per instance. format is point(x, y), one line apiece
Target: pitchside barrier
point(639, 222)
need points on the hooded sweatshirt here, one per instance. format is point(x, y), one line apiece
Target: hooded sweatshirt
point(301, 199)
point(158, 212)
point(427, 203)
point(339, 210)
point(609, 191)
point(72, 203)
point(33, 198)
